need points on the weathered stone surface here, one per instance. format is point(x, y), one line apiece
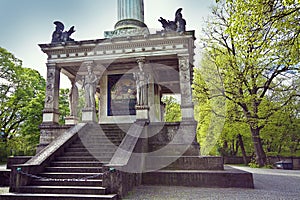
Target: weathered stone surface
point(89, 115)
point(187, 162)
point(200, 178)
point(16, 160)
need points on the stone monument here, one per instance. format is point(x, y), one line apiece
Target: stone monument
point(139, 69)
point(129, 71)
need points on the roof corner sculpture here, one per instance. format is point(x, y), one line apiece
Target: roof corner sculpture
point(177, 25)
point(59, 35)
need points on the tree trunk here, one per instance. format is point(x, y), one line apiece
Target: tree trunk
point(259, 151)
point(240, 139)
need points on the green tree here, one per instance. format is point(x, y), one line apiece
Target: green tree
point(210, 106)
point(281, 133)
point(172, 109)
point(64, 108)
point(254, 50)
point(22, 99)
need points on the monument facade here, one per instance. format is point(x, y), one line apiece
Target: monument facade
point(127, 72)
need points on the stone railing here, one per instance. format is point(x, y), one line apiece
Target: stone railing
point(124, 171)
point(21, 175)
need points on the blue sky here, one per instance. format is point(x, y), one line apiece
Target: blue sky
point(26, 23)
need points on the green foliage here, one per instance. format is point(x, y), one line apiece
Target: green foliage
point(64, 108)
point(251, 51)
point(210, 109)
point(172, 109)
point(22, 94)
point(281, 133)
point(253, 165)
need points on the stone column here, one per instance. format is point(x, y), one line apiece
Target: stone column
point(141, 77)
point(130, 14)
point(130, 20)
point(51, 112)
point(73, 104)
point(188, 124)
point(99, 106)
point(187, 107)
point(48, 128)
point(131, 9)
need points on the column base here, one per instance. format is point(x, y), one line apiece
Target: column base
point(142, 113)
point(187, 112)
point(50, 116)
point(71, 120)
point(89, 115)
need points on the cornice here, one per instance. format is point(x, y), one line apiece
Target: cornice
point(89, 48)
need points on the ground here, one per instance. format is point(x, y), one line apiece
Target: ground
point(270, 184)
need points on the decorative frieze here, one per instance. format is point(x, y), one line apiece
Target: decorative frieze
point(117, 46)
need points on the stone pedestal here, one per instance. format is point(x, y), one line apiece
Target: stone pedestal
point(50, 116)
point(71, 120)
point(142, 113)
point(89, 115)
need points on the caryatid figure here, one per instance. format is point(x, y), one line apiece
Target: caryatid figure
point(142, 84)
point(73, 99)
point(89, 84)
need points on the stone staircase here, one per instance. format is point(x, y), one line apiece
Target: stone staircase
point(78, 172)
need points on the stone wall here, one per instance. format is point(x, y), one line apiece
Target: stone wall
point(173, 138)
point(50, 132)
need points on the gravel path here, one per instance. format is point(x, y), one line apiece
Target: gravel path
point(269, 185)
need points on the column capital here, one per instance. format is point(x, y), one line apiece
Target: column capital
point(89, 63)
point(141, 61)
point(183, 55)
point(51, 64)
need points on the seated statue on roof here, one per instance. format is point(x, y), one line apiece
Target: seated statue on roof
point(59, 35)
point(177, 25)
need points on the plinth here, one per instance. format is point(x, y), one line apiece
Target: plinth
point(142, 113)
point(71, 120)
point(89, 115)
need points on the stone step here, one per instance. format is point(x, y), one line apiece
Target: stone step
point(92, 150)
point(81, 145)
point(30, 196)
point(90, 182)
point(117, 126)
point(100, 139)
point(76, 158)
point(92, 154)
point(94, 143)
point(62, 190)
point(76, 164)
point(60, 176)
point(75, 169)
point(84, 158)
